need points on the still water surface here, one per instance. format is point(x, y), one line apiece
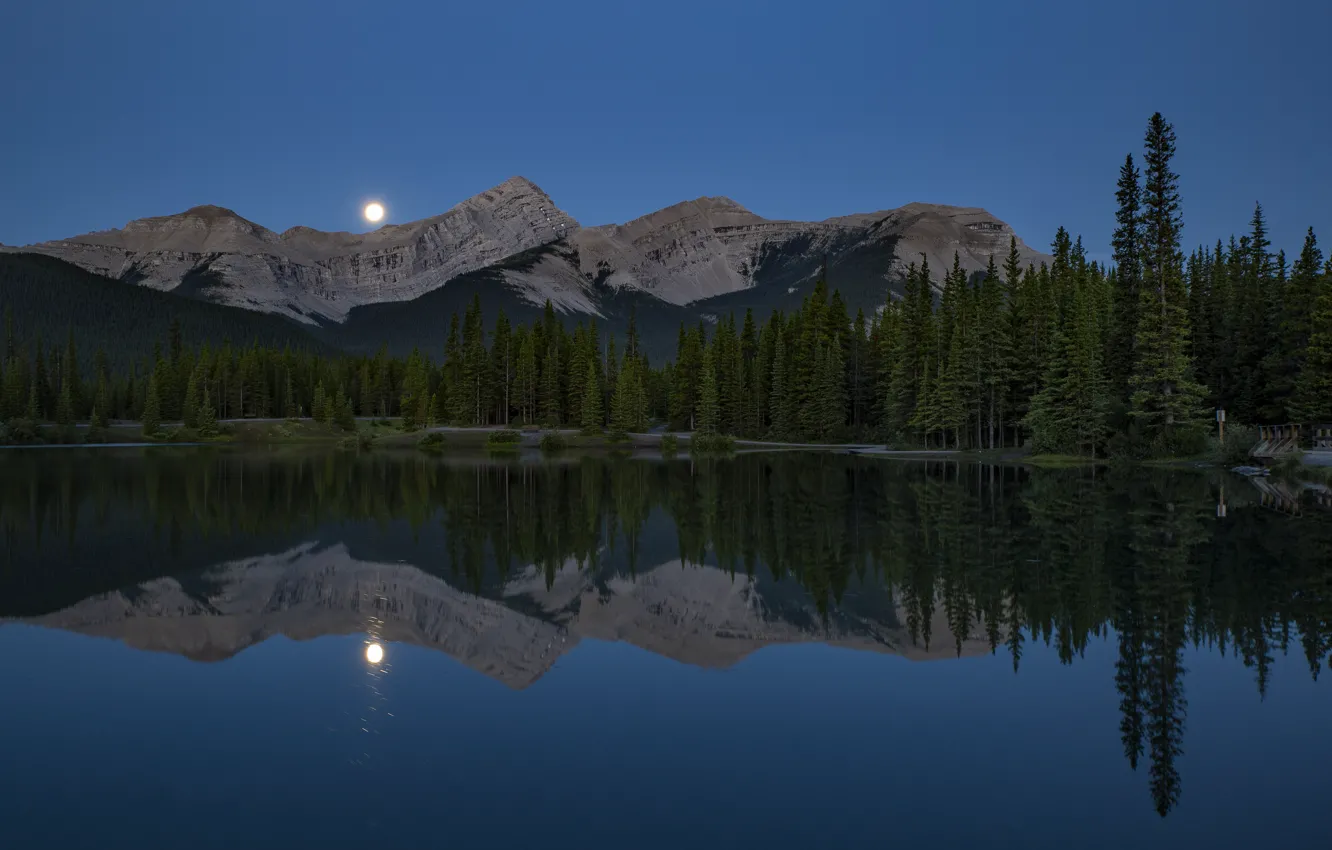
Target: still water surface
point(201, 648)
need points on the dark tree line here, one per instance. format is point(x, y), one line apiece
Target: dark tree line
point(1069, 356)
point(526, 374)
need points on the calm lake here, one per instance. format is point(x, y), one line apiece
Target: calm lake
point(242, 649)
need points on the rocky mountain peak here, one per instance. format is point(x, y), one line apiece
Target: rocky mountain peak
point(209, 211)
point(686, 253)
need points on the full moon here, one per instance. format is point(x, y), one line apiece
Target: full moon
point(374, 212)
point(374, 653)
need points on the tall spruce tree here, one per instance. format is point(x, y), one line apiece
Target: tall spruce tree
point(550, 384)
point(709, 404)
point(995, 353)
point(190, 406)
point(207, 415)
point(592, 410)
point(151, 419)
point(1166, 401)
point(1127, 243)
point(1299, 307)
point(778, 401)
point(1253, 340)
point(1312, 400)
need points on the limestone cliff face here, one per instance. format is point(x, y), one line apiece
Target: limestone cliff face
point(312, 591)
point(213, 253)
point(683, 254)
point(714, 246)
point(696, 615)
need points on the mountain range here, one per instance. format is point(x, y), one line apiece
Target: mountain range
point(516, 249)
point(698, 615)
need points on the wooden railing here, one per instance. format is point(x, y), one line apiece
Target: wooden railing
point(1322, 438)
point(1278, 440)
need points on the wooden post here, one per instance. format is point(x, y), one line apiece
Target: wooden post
point(1221, 424)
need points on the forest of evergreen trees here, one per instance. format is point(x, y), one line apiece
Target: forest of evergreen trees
point(1071, 357)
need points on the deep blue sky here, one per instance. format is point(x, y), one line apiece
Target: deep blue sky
point(295, 112)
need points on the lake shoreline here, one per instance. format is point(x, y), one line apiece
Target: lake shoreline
point(376, 432)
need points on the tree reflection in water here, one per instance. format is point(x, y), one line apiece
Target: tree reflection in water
point(1012, 555)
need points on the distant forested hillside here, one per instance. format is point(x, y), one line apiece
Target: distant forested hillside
point(423, 322)
point(46, 298)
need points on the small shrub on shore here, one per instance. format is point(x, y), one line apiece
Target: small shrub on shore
point(711, 443)
point(505, 437)
point(97, 435)
point(1234, 451)
point(553, 442)
point(356, 442)
point(432, 443)
point(670, 444)
point(20, 432)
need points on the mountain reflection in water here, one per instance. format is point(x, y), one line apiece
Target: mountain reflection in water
point(507, 566)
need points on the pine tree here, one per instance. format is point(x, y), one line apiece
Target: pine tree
point(753, 384)
point(778, 400)
point(1015, 399)
point(102, 397)
point(71, 377)
point(319, 406)
point(15, 388)
point(291, 410)
point(152, 408)
point(1297, 318)
point(949, 407)
point(550, 385)
point(525, 377)
point(33, 412)
point(1312, 400)
point(925, 420)
point(612, 375)
point(471, 373)
point(1127, 243)
point(1253, 340)
point(628, 404)
point(739, 389)
point(631, 337)
point(913, 346)
point(40, 381)
point(190, 407)
point(65, 406)
point(383, 383)
point(996, 353)
point(708, 401)
point(592, 411)
point(503, 363)
point(11, 343)
point(453, 379)
point(342, 414)
point(207, 415)
point(688, 372)
point(831, 392)
point(1069, 413)
point(1166, 401)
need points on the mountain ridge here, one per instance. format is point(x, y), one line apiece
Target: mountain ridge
point(695, 615)
point(697, 254)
